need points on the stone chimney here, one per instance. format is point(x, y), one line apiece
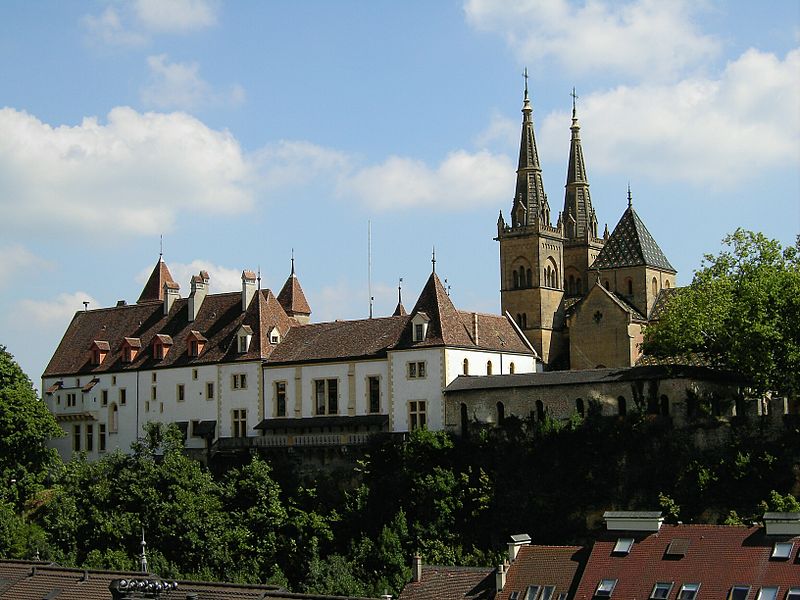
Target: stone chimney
point(199, 290)
point(633, 520)
point(248, 288)
point(475, 328)
point(500, 577)
point(517, 541)
point(416, 568)
point(171, 293)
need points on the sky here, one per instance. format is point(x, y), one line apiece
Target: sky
point(244, 131)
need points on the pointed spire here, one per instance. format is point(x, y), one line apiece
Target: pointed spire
point(433, 259)
point(292, 262)
point(630, 198)
point(399, 310)
point(292, 298)
point(530, 201)
point(153, 290)
point(577, 199)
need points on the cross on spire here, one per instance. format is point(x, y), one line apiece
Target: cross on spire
point(292, 261)
point(574, 98)
point(525, 76)
point(630, 198)
point(160, 246)
point(433, 259)
point(400, 291)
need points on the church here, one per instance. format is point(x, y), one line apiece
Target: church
point(582, 299)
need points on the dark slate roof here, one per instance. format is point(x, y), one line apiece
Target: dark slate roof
point(364, 338)
point(588, 376)
point(292, 298)
point(153, 290)
point(24, 580)
point(662, 299)
point(218, 319)
point(451, 583)
point(631, 245)
point(691, 359)
point(717, 557)
point(559, 566)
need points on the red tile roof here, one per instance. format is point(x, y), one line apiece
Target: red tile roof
point(716, 556)
point(154, 288)
point(292, 298)
point(451, 583)
point(558, 566)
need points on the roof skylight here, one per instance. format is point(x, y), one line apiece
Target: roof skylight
point(768, 593)
point(605, 588)
point(739, 592)
point(661, 590)
point(623, 546)
point(782, 550)
point(688, 591)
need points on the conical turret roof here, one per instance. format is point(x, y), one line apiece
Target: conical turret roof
point(445, 325)
point(153, 290)
point(292, 298)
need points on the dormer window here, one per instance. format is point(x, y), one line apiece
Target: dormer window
point(161, 345)
point(419, 324)
point(130, 349)
point(99, 350)
point(197, 343)
point(243, 337)
point(274, 336)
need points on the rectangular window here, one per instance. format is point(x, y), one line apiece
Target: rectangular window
point(101, 437)
point(180, 393)
point(605, 588)
point(768, 593)
point(154, 393)
point(688, 591)
point(782, 550)
point(147, 406)
point(72, 399)
point(739, 592)
point(240, 381)
point(374, 384)
point(793, 593)
point(419, 332)
point(89, 437)
point(547, 592)
point(194, 373)
point(104, 397)
point(194, 349)
point(280, 398)
point(623, 546)
point(154, 377)
point(416, 370)
point(194, 425)
point(326, 396)
point(661, 590)
point(113, 380)
point(76, 438)
point(123, 396)
point(239, 422)
point(209, 391)
point(417, 414)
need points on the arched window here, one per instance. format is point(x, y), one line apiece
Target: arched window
point(464, 423)
point(113, 418)
point(511, 368)
point(578, 287)
point(630, 286)
point(579, 406)
point(529, 278)
point(655, 286)
point(539, 411)
point(605, 285)
point(571, 285)
point(666, 283)
point(516, 279)
point(622, 406)
point(524, 320)
point(501, 413)
point(466, 366)
point(489, 367)
point(521, 276)
point(664, 406)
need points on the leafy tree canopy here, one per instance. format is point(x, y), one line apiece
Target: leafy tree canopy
point(742, 311)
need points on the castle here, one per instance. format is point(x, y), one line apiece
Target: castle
point(581, 299)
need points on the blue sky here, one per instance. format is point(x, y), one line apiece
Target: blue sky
point(241, 130)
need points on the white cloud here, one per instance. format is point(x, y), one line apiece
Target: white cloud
point(133, 23)
point(49, 314)
point(501, 131)
point(713, 132)
point(175, 15)
point(291, 162)
point(344, 300)
point(221, 279)
point(16, 258)
point(648, 38)
point(179, 85)
point(133, 174)
point(462, 180)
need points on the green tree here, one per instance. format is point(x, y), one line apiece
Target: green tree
point(742, 311)
point(26, 425)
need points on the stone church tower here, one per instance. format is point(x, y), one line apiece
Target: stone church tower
point(532, 252)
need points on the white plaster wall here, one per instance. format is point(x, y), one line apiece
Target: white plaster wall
point(501, 363)
point(287, 375)
point(371, 368)
point(323, 371)
point(429, 389)
point(229, 399)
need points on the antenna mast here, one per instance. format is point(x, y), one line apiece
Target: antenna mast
point(369, 265)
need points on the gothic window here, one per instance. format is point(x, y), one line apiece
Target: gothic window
point(501, 413)
point(522, 276)
point(579, 406)
point(578, 287)
point(605, 285)
point(113, 418)
point(629, 282)
point(516, 279)
point(666, 283)
point(524, 320)
point(466, 366)
point(489, 368)
point(622, 406)
point(655, 286)
point(529, 277)
point(511, 368)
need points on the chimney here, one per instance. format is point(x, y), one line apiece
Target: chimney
point(248, 288)
point(199, 291)
point(633, 520)
point(170, 295)
point(416, 568)
point(500, 578)
point(517, 541)
point(782, 523)
point(475, 327)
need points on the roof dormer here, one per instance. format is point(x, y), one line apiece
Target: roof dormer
point(130, 349)
point(243, 337)
point(419, 326)
point(274, 335)
point(161, 345)
point(196, 342)
point(98, 352)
